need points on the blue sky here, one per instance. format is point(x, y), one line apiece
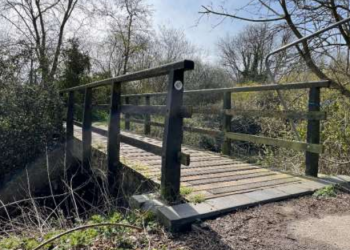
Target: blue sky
point(183, 14)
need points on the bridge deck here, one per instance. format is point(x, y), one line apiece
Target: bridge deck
point(209, 175)
point(222, 184)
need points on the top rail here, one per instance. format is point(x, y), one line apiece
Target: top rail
point(139, 75)
point(269, 87)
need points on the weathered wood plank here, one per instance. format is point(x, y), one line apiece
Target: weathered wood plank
point(295, 145)
point(155, 149)
point(313, 133)
point(243, 182)
point(113, 143)
point(294, 115)
point(139, 75)
point(143, 109)
point(267, 87)
point(250, 186)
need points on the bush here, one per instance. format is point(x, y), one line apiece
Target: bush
point(30, 121)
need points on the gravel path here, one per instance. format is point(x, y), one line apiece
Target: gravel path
point(304, 223)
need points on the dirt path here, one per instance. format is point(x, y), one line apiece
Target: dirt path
point(305, 223)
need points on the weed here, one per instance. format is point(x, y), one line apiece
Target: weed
point(196, 198)
point(326, 192)
point(184, 191)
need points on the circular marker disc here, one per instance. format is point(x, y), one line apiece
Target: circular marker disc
point(178, 85)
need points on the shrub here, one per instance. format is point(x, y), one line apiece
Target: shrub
point(30, 121)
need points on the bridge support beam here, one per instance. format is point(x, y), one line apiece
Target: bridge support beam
point(172, 139)
point(313, 133)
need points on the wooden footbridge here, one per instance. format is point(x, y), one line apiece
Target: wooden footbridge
point(215, 183)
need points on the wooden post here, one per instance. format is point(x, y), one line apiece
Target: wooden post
point(113, 145)
point(87, 120)
point(147, 125)
point(69, 129)
point(313, 133)
point(226, 124)
point(172, 139)
point(127, 116)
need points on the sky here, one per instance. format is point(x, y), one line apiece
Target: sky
point(204, 33)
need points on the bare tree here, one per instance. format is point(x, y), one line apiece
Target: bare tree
point(128, 35)
point(303, 18)
point(42, 25)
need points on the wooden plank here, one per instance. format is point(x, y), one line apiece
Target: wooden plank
point(249, 186)
point(185, 158)
point(147, 117)
point(69, 129)
point(139, 75)
point(295, 145)
point(86, 126)
point(244, 182)
point(149, 147)
point(172, 139)
point(218, 175)
point(210, 132)
point(313, 133)
point(127, 116)
point(267, 87)
point(113, 143)
point(226, 125)
point(143, 109)
point(294, 115)
point(230, 178)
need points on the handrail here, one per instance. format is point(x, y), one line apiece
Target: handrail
point(269, 87)
point(138, 75)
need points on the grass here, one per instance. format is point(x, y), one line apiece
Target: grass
point(185, 191)
point(196, 198)
point(89, 238)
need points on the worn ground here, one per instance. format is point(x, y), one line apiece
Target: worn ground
point(304, 223)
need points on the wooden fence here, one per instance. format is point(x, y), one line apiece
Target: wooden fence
point(174, 112)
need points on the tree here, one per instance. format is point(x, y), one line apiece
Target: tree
point(303, 18)
point(244, 53)
point(41, 24)
point(76, 64)
point(128, 35)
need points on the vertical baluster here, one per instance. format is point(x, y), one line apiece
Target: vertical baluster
point(147, 125)
point(113, 145)
point(127, 116)
point(69, 129)
point(313, 133)
point(226, 146)
point(172, 139)
point(87, 120)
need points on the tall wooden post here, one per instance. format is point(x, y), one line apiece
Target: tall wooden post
point(147, 125)
point(87, 120)
point(113, 145)
point(226, 124)
point(313, 133)
point(172, 139)
point(127, 116)
point(69, 129)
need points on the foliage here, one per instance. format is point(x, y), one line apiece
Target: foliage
point(328, 191)
point(117, 237)
point(30, 122)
